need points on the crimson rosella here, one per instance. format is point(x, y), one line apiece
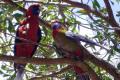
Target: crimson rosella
point(70, 42)
point(27, 29)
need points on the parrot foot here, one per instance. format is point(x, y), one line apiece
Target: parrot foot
point(67, 54)
point(74, 58)
point(77, 58)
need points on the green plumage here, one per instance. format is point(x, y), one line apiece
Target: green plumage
point(68, 45)
point(65, 43)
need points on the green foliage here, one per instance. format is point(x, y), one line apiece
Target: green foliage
point(118, 13)
point(96, 4)
point(76, 20)
point(82, 12)
point(118, 66)
point(118, 1)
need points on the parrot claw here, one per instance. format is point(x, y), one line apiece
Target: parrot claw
point(77, 59)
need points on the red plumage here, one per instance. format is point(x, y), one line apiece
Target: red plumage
point(28, 29)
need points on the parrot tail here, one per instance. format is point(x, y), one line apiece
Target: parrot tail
point(19, 70)
point(83, 77)
point(78, 70)
point(19, 76)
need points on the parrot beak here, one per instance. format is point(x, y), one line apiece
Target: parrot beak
point(39, 9)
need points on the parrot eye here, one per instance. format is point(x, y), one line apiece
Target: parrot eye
point(55, 24)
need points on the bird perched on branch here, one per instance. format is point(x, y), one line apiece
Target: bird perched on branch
point(28, 30)
point(68, 45)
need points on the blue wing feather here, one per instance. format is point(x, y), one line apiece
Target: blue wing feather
point(77, 39)
point(16, 40)
point(16, 65)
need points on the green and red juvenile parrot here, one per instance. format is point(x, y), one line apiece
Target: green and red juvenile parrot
point(27, 29)
point(70, 42)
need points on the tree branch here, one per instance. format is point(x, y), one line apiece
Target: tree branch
point(28, 42)
point(101, 63)
point(10, 2)
point(88, 56)
point(62, 13)
point(47, 61)
point(112, 22)
point(40, 2)
point(54, 74)
point(88, 8)
point(109, 9)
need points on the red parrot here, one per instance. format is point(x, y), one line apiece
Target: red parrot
point(70, 42)
point(28, 29)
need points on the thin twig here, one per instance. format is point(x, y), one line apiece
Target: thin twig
point(53, 74)
point(113, 28)
point(99, 71)
point(40, 2)
point(62, 13)
point(31, 42)
point(109, 9)
point(111, 48)
point(86, 7)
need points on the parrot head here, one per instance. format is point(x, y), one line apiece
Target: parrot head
point(33, 10)
point(55, 24)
